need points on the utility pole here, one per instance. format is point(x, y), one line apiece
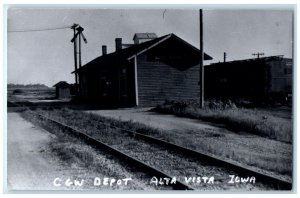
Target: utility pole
point(225, 57)
point(75, 52)
point(80, 35)
point(258, 54)
point(201, 75)
point(79, 45)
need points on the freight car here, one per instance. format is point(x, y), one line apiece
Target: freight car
point(266, 79)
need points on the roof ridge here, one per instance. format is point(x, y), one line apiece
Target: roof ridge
point(122, 50)
point(250, 59)
point(126, 54)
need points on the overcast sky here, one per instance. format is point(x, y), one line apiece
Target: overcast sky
point(47, 56)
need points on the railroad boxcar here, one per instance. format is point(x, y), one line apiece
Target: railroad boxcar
point(262, 79)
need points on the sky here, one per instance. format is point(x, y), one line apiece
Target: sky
point(47, 56)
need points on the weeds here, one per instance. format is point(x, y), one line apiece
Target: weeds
point(274, 156)
point(236, 119)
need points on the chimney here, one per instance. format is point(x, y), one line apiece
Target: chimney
point(118, 44)
point(104, 50)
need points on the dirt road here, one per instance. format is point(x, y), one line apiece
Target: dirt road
point(28, 165)
point(32, 164)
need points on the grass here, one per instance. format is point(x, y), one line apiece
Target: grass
point(237, 119)
point(268, 155)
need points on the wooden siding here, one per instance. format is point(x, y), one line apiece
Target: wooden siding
point(158, 81)
point(63, 92)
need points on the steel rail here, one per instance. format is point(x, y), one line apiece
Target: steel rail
point(241, 169)
point(130, 160)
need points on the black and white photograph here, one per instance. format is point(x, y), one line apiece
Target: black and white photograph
point(150, 100)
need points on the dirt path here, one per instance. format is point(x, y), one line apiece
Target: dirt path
point(156, 120)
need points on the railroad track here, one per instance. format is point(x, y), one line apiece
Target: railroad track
point(142, 166)
point(273, 181)
point(241, 169)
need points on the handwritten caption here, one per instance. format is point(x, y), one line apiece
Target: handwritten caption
point(157, 181)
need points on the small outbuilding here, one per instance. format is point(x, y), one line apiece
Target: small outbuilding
point(146, 73)
point(63, 90)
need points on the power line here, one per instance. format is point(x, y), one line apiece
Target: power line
point(39, 30)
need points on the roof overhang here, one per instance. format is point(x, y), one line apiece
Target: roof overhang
point(178, 44)
point(175, 52)
point(170, 48)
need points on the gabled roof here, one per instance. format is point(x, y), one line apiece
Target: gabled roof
point(145, 36)
point(124, 55)
point(63, 84)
